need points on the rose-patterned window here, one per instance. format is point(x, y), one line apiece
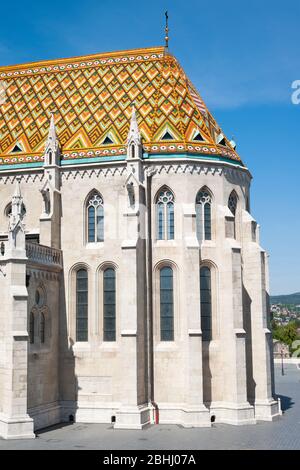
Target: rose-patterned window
point(203, 215)
point(95, 218)
point(165, 215)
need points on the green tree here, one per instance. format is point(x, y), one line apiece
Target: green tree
point(287, 334)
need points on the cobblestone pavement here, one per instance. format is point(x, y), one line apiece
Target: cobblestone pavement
point(281, 434)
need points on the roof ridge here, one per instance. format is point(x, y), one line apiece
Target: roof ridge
point(25, 65)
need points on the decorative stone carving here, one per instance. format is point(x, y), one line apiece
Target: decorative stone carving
point(52, 150)
point(16, 229)
point(134, 141)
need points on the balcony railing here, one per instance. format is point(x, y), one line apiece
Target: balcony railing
point(36, 253)
point(43, 254)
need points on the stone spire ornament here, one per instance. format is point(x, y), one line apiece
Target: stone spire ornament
point(16, 230)
point(50, 191)
point(134, 132)
point(134, 141)
point(16, 215)
point(52, 150)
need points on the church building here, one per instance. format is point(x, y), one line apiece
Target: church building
point(134, 289)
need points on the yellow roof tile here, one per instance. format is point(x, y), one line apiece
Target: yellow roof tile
point(91, 96)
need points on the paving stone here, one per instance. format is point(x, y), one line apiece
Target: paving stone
point(281, 434)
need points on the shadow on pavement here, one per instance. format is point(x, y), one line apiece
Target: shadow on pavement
point(53, 428)
point(286, 402)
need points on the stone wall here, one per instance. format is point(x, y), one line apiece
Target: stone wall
point(97, 381)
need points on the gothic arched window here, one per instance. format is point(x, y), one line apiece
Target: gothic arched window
point(165, 215)
point(31, 328)
point(42, 328)
point(95, 218)
point(232, 204)
point(109, 305)
point(166, 304)
point(82, 305)
point(203, 215)
point(206, 309)
point(8, 210)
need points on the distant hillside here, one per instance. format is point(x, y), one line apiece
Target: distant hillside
point(286, 299)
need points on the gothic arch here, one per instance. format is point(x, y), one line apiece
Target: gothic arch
point(207, 263)
point(93, 217)
point(233, 199)
point(72, 299)
point(166, 263)
point(164, 187)
point(204, 206)
point(165, 214)
point(99, 298)
point(233, 205)
point(7, 210)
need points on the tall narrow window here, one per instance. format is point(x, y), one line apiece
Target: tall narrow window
point(205, 295)
point(166, 305)
point(31, 328)
point(109, 305)
point(161, 220)
point(132, 151)
point(203, 215)
point(165, 215)
point(232, 204)
point(42, 328)
point(95, 216)
point(82, 305)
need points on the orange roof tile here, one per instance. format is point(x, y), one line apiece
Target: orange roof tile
point(92, 96)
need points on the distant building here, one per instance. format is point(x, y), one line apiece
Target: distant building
point(280, 349)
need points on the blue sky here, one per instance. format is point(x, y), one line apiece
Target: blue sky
point(243, 58)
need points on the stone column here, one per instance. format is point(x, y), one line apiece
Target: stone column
point(234, 408)
point(195, 413)
point(14, 420)
point(134, 411)
point(50, 217)
point(261, 386)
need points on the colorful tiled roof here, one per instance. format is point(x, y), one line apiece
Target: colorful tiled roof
point(91, 98)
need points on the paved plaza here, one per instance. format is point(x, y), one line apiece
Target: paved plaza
point(281, 434)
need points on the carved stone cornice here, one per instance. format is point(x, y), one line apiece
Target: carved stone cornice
point(22, 177)
point(237, 175)
point(88, 173)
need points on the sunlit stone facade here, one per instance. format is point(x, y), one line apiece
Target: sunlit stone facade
point(134, 289)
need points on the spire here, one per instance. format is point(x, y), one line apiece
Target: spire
point(17, 194)
point(52, 131)
point(134, 141)
point(16, 218)
point(134, 132)
point(16, 205)
point(167, 33)
point(51, 156)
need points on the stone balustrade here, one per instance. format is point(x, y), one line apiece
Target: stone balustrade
point(36, 253)
point(43, 254)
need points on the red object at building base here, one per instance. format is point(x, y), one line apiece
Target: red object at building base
point(156, 413)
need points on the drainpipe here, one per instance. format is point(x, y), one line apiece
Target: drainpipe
point(150, 357)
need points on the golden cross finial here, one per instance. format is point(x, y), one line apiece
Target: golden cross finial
point(167, 31)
